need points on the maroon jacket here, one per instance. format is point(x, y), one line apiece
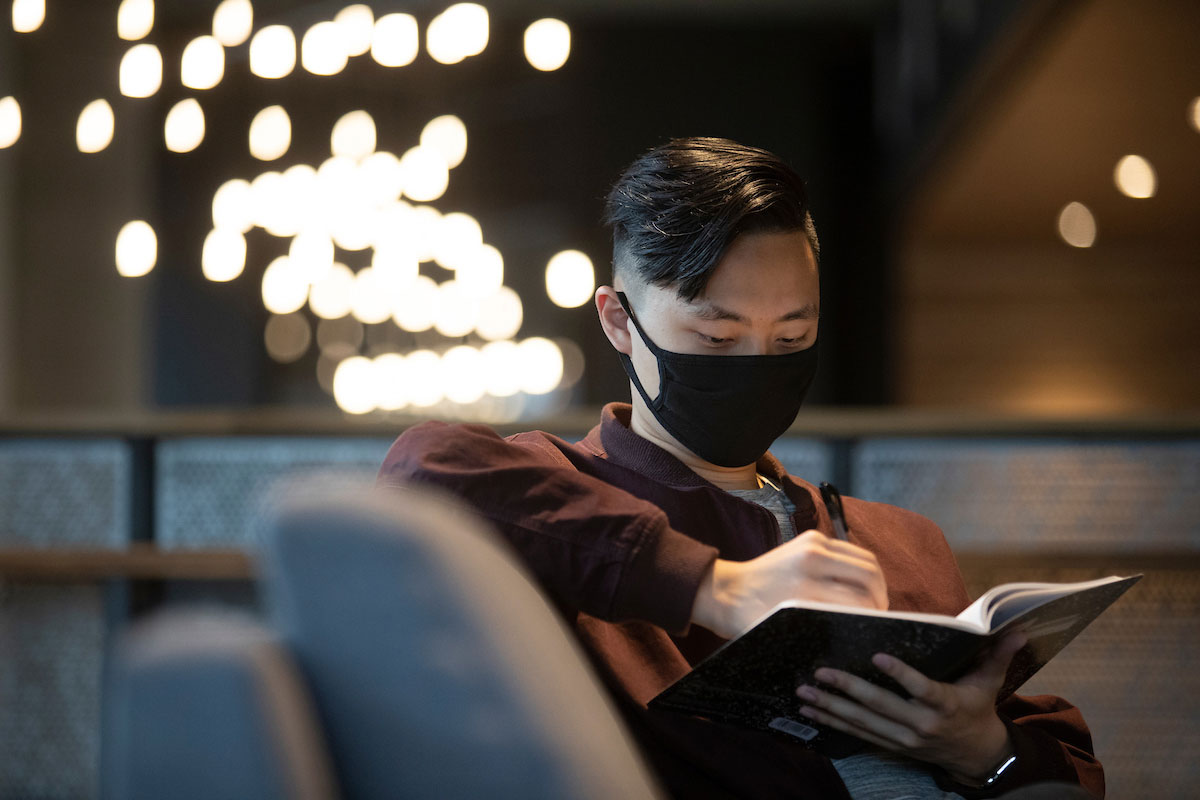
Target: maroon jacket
point(620, 533)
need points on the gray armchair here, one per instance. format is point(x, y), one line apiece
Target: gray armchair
point(407, 655)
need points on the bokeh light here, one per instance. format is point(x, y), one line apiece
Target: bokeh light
point(94, 130)
point(463, 379)
point(540, 365)
point(1194, 114)
point(358, 24)
point(312, 252)
point(395, 40)
point(287, 337)
point(480, 270)
point(570, 279)
point(28, 15)
point(370, 300)
point(446, 135)
point(273, 52)
point(224, 255)
point(231, 206)
point(1135, 177)
point(391, 382)
point(10, 121)
point(137, 249)
point(456, 236)
point(416, 306)
point(500, 314)
point(233, 21)
point(284, 286)
point(424, 375)
point(135, 19)
point(353, 136)
point(354, 385)
point(270, 133)
point(1076, 225)
point(458, 310)
point(330, 294)
point(183, 130)
point(202, 64)
point(548, 44)
point(323, 49)
point(501, 368)
point(458, 32)
point(141, 71)
point(425, 174)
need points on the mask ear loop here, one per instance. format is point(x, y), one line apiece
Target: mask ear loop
point(657, 402)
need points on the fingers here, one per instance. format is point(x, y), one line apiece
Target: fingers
point(837, 562)
point(993, 669)
point(868, 708)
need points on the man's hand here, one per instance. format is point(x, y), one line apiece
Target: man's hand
point(735, 594)
point(953, 725)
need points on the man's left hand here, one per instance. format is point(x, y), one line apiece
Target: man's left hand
point(953, 725)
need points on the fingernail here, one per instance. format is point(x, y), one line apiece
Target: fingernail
point(824, 675)
point(807, 693)
point(882, 660)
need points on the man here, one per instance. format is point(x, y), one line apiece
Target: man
point(670, 528)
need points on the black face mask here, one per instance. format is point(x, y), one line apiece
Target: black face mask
point(725, 409)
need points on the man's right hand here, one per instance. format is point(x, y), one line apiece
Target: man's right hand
point(736, 594)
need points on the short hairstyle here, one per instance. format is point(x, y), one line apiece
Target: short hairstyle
point(679, 206)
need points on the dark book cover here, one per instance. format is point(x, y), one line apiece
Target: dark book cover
point(751, 680)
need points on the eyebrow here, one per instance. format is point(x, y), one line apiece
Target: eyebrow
point(712, 311)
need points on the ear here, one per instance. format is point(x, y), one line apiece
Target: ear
point(613, 319)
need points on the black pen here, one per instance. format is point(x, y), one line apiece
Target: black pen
point(833, 504)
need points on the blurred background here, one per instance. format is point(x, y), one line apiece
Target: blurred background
point(250, 238)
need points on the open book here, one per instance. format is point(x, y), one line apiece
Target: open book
point(751, 679)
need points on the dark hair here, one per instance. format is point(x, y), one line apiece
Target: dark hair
point(678, 207)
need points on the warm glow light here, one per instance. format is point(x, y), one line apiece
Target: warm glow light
point(135, 19)
point(1076, 225)
point(231, 206)
point(570, 279)
point(10, 122)
point(548, 44)
point(416, 305)
point(456, 237)
point(446, 135)
point(540, 365)
point(330, 295)
point(340, 337)
point(1194, 114)
point(137, 249)
point(353, 136)
point(284, 286)
point(233, 21)
point(312, 253)
point(354, 385)
point(501, 368)
point(141, 71)
point(184, 128)
point(462, 374)
point(1135, 177)
point(425, 174)
point(382, 179)
point(273, 52)
point(357, 23)
point(323, 49)
point(270, 133)
point(94, 131)
point(458, 32)
point(424, 370)
point(28, 15)
point(481, 271)
point(394, 40)
point(266, 191)
point(203, 63)
point(422, 229)
point(369, 299)
point(224, 255)
point(391, 378)
point(287, 337)
point(500, 315)
point(458, 310)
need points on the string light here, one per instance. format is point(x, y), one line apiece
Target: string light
point(141, 71)
point(273, 52)
point(224, 255)
point(284, 286)
point(233, 22)
point(270, 133)
point(94, 130)
point(425, 174)
point(323, 51)
point(1076, 225)
point(1135, 177)
point(548, 44)
point(358, 24)
point(394, 40)
point(570, 279)
point(353, 136)
point(10, 122)
point(446, 135)
point(203, 63)
point(391, 378)
point(135, 19)
point(232, 206)
point(184, 127)
point(137, 249)
point(353, 385)
point(459, 32)
point(28, 15)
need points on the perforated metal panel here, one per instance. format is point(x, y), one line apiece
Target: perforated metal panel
point(1038, 494)
point(211, 492)
point(809, 459)
point(51, 654)
point(64, 493)
point(1133, 675)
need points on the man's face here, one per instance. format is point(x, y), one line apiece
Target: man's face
point(763, 299)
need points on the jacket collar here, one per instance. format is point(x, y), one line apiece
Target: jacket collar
point(614, 440)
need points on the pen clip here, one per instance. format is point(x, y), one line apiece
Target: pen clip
point(833, 504)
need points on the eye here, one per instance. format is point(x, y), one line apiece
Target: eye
point(714, 341)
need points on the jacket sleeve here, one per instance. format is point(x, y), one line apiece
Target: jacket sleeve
point(592, 546)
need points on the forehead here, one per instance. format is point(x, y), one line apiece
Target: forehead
point(762, 276)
